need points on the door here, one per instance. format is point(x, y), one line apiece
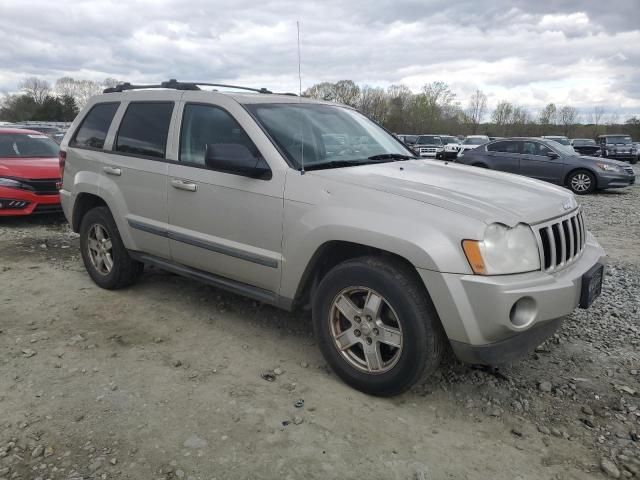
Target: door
point(135, 172)
point(225, 224)
point(535, 162)
point(504, 155)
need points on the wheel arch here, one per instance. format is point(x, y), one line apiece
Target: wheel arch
point(577, 169)
point(332, 253)
point(84, 202)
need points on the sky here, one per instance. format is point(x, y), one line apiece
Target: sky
point(584, 53)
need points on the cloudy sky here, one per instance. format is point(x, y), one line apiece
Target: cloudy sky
point(578, 52)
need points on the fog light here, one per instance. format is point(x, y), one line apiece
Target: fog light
point(10, 204)
point(523, 312)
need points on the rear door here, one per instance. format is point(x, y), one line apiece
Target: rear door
point(225, 224)
point(536, 163)
point(504, 155)
point(134, 174)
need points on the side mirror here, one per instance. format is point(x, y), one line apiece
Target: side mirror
point(236, 159)
point(552, 155)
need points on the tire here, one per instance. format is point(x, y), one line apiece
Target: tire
point(581, 182)
point(124, 270)
point(633, 161)
point(416, 330)
point(479, 165)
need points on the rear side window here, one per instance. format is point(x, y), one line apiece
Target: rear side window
point(505, 147)
point(94, 127)
point(144, 129)
point(204, 125)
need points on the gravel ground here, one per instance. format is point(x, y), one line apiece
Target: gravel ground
point(165, 380)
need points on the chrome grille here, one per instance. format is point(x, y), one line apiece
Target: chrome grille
point(561, 240)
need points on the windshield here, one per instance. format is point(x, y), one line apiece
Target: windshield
point(429, 140)
point(446, 140)
point(475, 141)
point(14, 145)
point(560, 140)
point(563, 150)
point(620, 139)
point(578, 142)
point(326, 135)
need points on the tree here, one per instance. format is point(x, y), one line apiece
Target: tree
point(632, 127)
point(321, 91)
point(346, 92)
point(18, 108)
point(35, 88)
point(567, 116)
point(547, 117)
point(476, 109)
point(373, 103)
point(501, 116)
point(596, 119)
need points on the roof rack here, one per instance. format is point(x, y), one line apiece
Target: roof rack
point(176, 85)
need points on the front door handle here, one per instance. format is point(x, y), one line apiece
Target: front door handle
point(184, 185)
point(112, 171)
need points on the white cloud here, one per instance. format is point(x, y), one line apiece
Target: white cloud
point(580, 52)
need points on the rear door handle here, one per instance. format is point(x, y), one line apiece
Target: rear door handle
point(184, 185)
point(112, 171)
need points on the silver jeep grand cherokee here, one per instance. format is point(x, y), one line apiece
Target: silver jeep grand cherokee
point(396, 257)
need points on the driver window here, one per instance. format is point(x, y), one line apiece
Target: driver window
point(204, 125)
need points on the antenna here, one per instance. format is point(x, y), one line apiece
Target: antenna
point(300, 101)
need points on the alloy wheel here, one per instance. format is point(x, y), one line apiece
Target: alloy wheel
point(100, 249)
point(366, 330)
point(580, 182)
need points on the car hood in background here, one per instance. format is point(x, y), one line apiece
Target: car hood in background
point(29, 168)
point(607, 161)
point(483, 194)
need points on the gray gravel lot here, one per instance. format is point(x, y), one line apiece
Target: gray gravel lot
point(163, 380)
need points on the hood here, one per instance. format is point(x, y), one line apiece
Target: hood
point(30, 168)
point(607, 161)
point(482, 194)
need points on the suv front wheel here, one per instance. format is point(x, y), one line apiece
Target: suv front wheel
point(376, 326)
point(105, 256)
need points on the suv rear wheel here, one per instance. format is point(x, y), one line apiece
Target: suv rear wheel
point(376, 326)
point(105, 256)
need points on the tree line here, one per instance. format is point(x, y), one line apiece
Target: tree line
point(39, 100)
point(436, 109)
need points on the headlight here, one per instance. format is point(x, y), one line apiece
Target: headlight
point(503, 250)
point(9, 182)
point(607, 167)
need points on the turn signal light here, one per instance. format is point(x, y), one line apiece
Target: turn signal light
point(472, 251)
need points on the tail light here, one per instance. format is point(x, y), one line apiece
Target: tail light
point(62, 159)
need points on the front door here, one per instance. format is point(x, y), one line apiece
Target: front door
point(505, 155)
point(535, 162)
point(225, 224)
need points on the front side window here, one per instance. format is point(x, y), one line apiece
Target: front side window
point(206, 125)
point(93, 130)
point(13, 145)
point(144, 129)
point(327, 136)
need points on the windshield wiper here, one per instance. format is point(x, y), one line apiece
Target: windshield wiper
point(391, 156)
point(336, 164)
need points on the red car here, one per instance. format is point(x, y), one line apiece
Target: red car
point(29, 173)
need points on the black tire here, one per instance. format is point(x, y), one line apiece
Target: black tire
point(423, 339)
point(572, 180)
point(125, 270)
point(633, 161)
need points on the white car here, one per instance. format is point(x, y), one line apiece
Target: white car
point(451, 146)
point(471, 142)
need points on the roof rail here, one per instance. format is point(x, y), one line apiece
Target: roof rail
point(176, 85)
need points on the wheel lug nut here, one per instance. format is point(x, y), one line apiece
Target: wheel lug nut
point(376, 331)
point(368, 318)
point(369, 341)
point(357, 333)
point(357, 319)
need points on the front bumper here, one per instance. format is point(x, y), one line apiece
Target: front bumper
point(476, 311)
point(615, 180)
point(17, 202)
